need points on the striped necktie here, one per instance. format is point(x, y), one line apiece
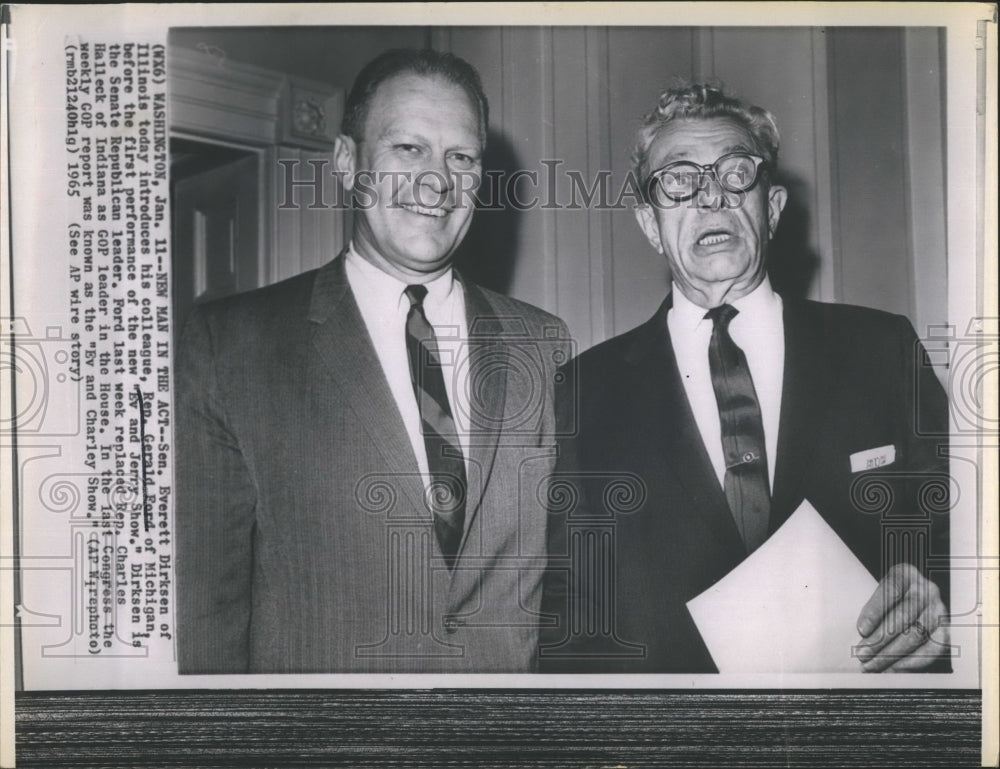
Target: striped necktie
point(444, 452)
point(747, 487)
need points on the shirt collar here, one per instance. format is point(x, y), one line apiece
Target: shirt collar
point(387, 289)
point(757, 306)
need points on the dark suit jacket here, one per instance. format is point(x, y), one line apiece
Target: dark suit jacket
point(304, 541)
point(636, 497)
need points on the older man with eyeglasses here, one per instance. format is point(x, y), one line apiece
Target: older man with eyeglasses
point(726, 410)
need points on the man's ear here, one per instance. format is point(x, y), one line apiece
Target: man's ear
point(646, 216)
point(776, 198)
point(345, 156)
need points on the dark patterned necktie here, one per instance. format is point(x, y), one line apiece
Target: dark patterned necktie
point(747, 488)
point(444, 452)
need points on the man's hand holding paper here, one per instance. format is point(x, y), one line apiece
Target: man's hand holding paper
point(806, 581)
point(901, 624)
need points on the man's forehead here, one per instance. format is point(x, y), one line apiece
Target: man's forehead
point(407, 96)
point(413, 90)
point(699, 137)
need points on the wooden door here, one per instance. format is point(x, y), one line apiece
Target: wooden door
point(216, 241)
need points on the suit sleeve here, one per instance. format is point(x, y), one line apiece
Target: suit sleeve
point(569, 599)
point(924, 436)
point(555, 593)
point(214, 515)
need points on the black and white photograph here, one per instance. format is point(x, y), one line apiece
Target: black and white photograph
point(634, 363)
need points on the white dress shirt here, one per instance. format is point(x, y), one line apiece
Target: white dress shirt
point(759, 331)
point(384, 308)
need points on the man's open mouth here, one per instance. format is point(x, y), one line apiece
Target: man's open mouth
point(714, 238)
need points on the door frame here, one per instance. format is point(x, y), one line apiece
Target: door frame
point(216, 100)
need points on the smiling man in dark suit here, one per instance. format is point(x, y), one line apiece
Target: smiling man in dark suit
point(703, 430)
point(359, 447)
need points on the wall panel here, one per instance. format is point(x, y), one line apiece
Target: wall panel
point(641, 63)
point(926, 179)
point(867, 113)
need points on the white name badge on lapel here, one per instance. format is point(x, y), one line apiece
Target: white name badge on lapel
point(872, 459)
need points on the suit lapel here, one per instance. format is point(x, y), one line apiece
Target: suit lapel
point(487, 387)
point(346, 355)
point(805, 383)
point(671, 431)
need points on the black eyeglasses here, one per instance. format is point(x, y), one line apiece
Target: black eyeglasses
point(682, 179)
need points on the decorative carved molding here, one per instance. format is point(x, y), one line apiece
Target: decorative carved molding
point(312, 114)
point(211, 95)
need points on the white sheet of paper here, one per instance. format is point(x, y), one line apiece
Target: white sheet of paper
point(791, 607)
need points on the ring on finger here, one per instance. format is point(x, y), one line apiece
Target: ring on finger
point(921, 630)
